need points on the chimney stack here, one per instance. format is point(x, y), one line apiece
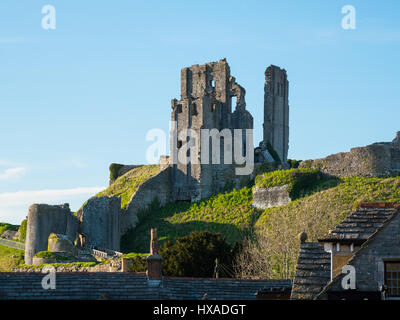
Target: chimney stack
point(154, 266)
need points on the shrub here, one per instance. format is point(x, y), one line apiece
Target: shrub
point(293, 164)
point(22, 230)
point(137, 262)
point(194, 255)
point(114, 171)
point(7, 226)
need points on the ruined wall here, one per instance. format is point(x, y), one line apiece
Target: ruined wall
point(270, 197)
point(375, 160)
point(157, 187)
point(276, 111)
point(44, 219)
point(206, 103)
point(100, 222)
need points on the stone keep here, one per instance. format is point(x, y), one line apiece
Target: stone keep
point(276, 111)
point(206, 103)
point(43, 220)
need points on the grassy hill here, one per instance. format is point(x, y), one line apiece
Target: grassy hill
point(10, 258)
point(126, 185)
point(229, 213)
point(320, 204)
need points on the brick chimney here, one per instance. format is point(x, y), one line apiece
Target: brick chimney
point(154, 265)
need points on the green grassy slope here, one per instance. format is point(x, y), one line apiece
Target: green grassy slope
point(126, 185)
point(10, 258)
point(315, 214)
point(318, 207)
point(229, 213)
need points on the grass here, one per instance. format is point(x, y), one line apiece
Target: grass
point(6, 226)
point(71, 264)
point(228, 213)
point(126, 185)
point(10, 258)
point(299, 181)
point(320, 206)
point(316, 214)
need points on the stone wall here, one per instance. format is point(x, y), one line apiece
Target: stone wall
point(100, 222)
point(157, 187)
point(208, 94)
point(375, 160)
point(43, 220)
point(276, 111)
point(270, 197)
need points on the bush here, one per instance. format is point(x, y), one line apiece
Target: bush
point(137, 262)
point(7, 226)
point(114, 171)
point(22, 230)
point(293, 164)
point(194, 255)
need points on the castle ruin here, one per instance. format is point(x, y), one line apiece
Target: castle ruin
point(207, 99)
point(210, 99)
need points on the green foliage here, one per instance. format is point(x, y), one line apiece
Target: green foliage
point(194, 255)
point(230, 214)
point(56, 265)
point(137, 261)
point(293, 164)
point(10, 258)
point(57, 255)
point(126, 185)
point(315, 214)
point(22, 230)
point(273, 153)
point(299, 180)
point(114, 170)
point(6, 226)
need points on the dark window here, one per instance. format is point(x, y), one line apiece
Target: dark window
point(179, 108)
point(194, 111)
point(392, 278)
point(179, 144)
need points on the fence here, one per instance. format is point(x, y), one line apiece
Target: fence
point(12, 244)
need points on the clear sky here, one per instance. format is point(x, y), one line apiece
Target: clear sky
point(75, 99)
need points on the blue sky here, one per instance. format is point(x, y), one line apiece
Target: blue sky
point(75, 99)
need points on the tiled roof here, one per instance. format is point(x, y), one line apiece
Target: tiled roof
point(231, 289)
point(312, 271)
point(120, 285)
point(360, 225)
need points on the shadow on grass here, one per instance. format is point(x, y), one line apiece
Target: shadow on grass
point(138, 239)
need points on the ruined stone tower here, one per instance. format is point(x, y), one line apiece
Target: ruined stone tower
point(276, 111)
point(206, 103)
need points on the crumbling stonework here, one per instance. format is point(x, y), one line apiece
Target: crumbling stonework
point(276, 111)
point(205, 103)
point(43, 220)
point(158, 187)
point(270, 197)
point(100, 222)
point(375, 160)
point(60, 242)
